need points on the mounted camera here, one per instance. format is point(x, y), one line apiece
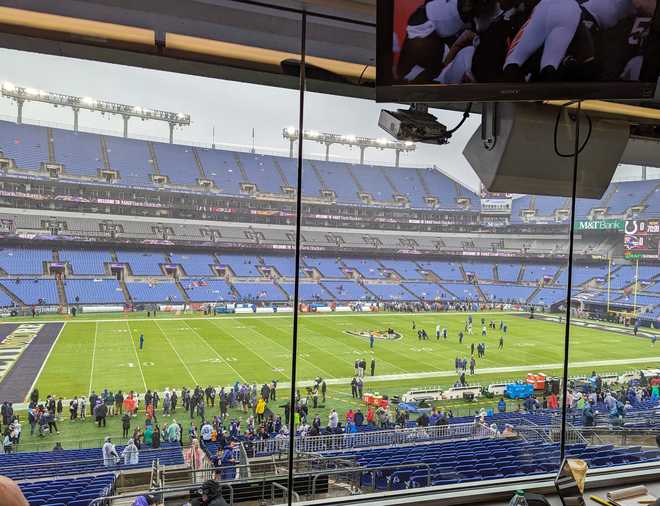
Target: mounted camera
point(415, 124)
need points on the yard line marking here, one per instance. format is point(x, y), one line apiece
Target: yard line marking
point(43, 364)
point(91, 372)
point(366, 352)
point(490, 370)
point(231, 336)
point(130, 336)
point(325, 373)
point(215, 352)
point(341, 344)
point(177, 354)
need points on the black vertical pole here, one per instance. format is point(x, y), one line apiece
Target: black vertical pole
point(567, 332)
point(296, 277)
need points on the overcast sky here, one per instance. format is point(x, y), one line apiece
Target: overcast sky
point(232, 108)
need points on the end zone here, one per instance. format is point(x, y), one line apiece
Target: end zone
point(24, 348)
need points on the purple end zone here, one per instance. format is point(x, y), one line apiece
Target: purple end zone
point(15, 385)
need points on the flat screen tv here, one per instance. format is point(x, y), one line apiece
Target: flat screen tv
point(477, 50)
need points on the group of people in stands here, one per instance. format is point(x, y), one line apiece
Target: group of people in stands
point(436, 306)
point(262, 423)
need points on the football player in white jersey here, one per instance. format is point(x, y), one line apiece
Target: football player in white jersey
point(432, 30)
point(550, 28)
point(607, 13)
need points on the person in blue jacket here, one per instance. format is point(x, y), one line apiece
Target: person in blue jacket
point(228, 463)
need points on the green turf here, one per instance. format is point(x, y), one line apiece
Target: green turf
point(92, 355)
point(188, 350)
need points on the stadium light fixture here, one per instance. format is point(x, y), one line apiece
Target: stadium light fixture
point(328, 139)
point(21, 95)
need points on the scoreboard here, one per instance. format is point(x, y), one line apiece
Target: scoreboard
point(641, 239)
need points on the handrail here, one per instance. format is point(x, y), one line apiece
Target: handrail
point(275, 485)
point(228, 483)
point(343, 441)
point(160, 492)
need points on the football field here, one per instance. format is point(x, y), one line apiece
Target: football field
point(94, 354)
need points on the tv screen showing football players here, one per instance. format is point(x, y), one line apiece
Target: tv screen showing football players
point(457, 42)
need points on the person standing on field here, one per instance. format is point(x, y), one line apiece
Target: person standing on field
point(125, 424)
point(373, 366)
point(141, 341)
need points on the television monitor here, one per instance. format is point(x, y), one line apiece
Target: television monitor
point(477, 50)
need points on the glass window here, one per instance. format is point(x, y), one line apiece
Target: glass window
point(148, 240)
point(407, 329)
point(431, 351)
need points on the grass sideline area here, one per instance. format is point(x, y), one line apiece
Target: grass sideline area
point(103, 352)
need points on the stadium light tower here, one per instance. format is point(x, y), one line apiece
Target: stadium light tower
point(291, 134)
point(21, 95)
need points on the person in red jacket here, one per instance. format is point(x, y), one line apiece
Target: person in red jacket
point(371, 416)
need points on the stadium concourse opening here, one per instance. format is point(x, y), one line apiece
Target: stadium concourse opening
point(220, 284)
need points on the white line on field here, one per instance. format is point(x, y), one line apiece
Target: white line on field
point(91, 372)
point(488, 370)
point(137, 357)
point(215, 352)
point(177, 354)
point(43, 364)
point(247, 347)
point(325, 373)
point(284, 315)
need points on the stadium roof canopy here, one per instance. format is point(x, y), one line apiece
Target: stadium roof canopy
point(254, 41)
point(237, 40)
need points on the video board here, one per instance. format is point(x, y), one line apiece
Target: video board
point(641, 239)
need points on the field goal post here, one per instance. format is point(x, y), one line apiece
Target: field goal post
point(635, 309)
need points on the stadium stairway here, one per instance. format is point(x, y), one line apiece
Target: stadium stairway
point(557, 275)
point(318, 174)
point(463, 274)
point(388, 180)
point(10, 294)
point(280, 171)
point(198, 164)
point(182, 291)
point(533, 294)
point(424, 183)
point(355, 180)
point(480, 291)
point(124, 290)
point(61, 293)
point(521, 274)
point(51, 147)
point(279, 287)
point(241, 169)
point(154, 158)
point(104, 152)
